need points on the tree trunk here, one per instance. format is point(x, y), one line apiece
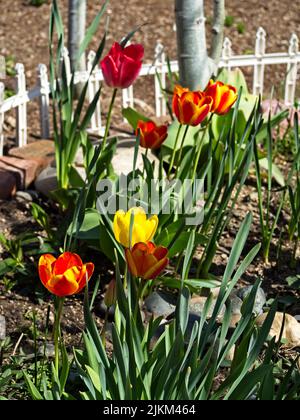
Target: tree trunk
point(77, 24)
point(195, 66)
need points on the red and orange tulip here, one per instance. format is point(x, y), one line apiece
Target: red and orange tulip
point(66, 275)
point(151, 135)
point(146, 260)
point(191, 108)
point(224, 97)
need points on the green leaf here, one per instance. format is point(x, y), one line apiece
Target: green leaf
point(133, 117)
point(276, 172)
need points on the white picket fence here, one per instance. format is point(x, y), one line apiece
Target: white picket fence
point(258, 61)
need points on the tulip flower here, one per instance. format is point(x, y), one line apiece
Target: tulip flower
point(224, 97)
point(191, 108)
point(143, 229)
point(151, 135)
point(122, 66)
point(147, 261)
point(66, 275)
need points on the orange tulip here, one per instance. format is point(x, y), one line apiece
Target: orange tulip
point(66, 275)
point(191, 108)
point(151, 135)
point(224, 97)
point(146, 260)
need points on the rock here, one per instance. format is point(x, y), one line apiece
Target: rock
point(197, 304)
point(24, 196)
point(42, 151)
point(160, 304)
point(46, 182)
point(123, 160)
point(24, 170)
point(236, 306)
point(48, 350)
point(260, 299)
point(291, 331)
point(193, 318)
point(2, 328)
point(101, 309)
point(8, 185)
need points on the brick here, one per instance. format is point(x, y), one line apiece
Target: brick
point(25, 171)
point(8, 185)
point(41, 150)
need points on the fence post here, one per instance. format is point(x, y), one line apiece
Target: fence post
point(93, 87)
point(22, 108)
point(44, 100)
point(227, 53)
point(2, 89)
point(160, 80)
point(67, 63)
point(259, 68)
point(292, 70)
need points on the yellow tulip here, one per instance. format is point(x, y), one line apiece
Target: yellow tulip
point(143, 229)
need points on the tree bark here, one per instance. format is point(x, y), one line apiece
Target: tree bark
point(195, 66)
point(218, 30)
point(77, 25)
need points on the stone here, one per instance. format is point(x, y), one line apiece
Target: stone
point(8, 185)
point(48, 350)
point(101, 310)
point(197, 304)
point(24, 196)
point(46, 182)
point(123, 159)
point(42, 151)
point(160, 304)
point(260, 299)
point(291, 330)
point(2, 328)
point(25, 171)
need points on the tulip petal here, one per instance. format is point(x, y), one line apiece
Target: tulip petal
point(131, 262)
point(129, 71)
point(67, 261)
point(135, 51)
point(156, 269)
point(46, 263)
point(66, 284)
point(85, 276)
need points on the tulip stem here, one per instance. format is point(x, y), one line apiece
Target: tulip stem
point(174, 151)
point(59, 309)
point(181, 147)
point(200, 148)
point(109, 115)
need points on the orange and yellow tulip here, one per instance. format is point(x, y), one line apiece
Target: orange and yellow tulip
point(151, 135)
point(146, 260)
point(191, 108)
point(224, 97)
point(143, 229)
point(66, 275)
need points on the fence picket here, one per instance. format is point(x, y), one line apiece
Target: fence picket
point(43, 83)
point(259, 68)
point(22, 107)
point(292, 70)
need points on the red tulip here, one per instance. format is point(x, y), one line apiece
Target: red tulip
point(151, 135)
point(122, 66)
point(147, 261)
point(66, 275)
